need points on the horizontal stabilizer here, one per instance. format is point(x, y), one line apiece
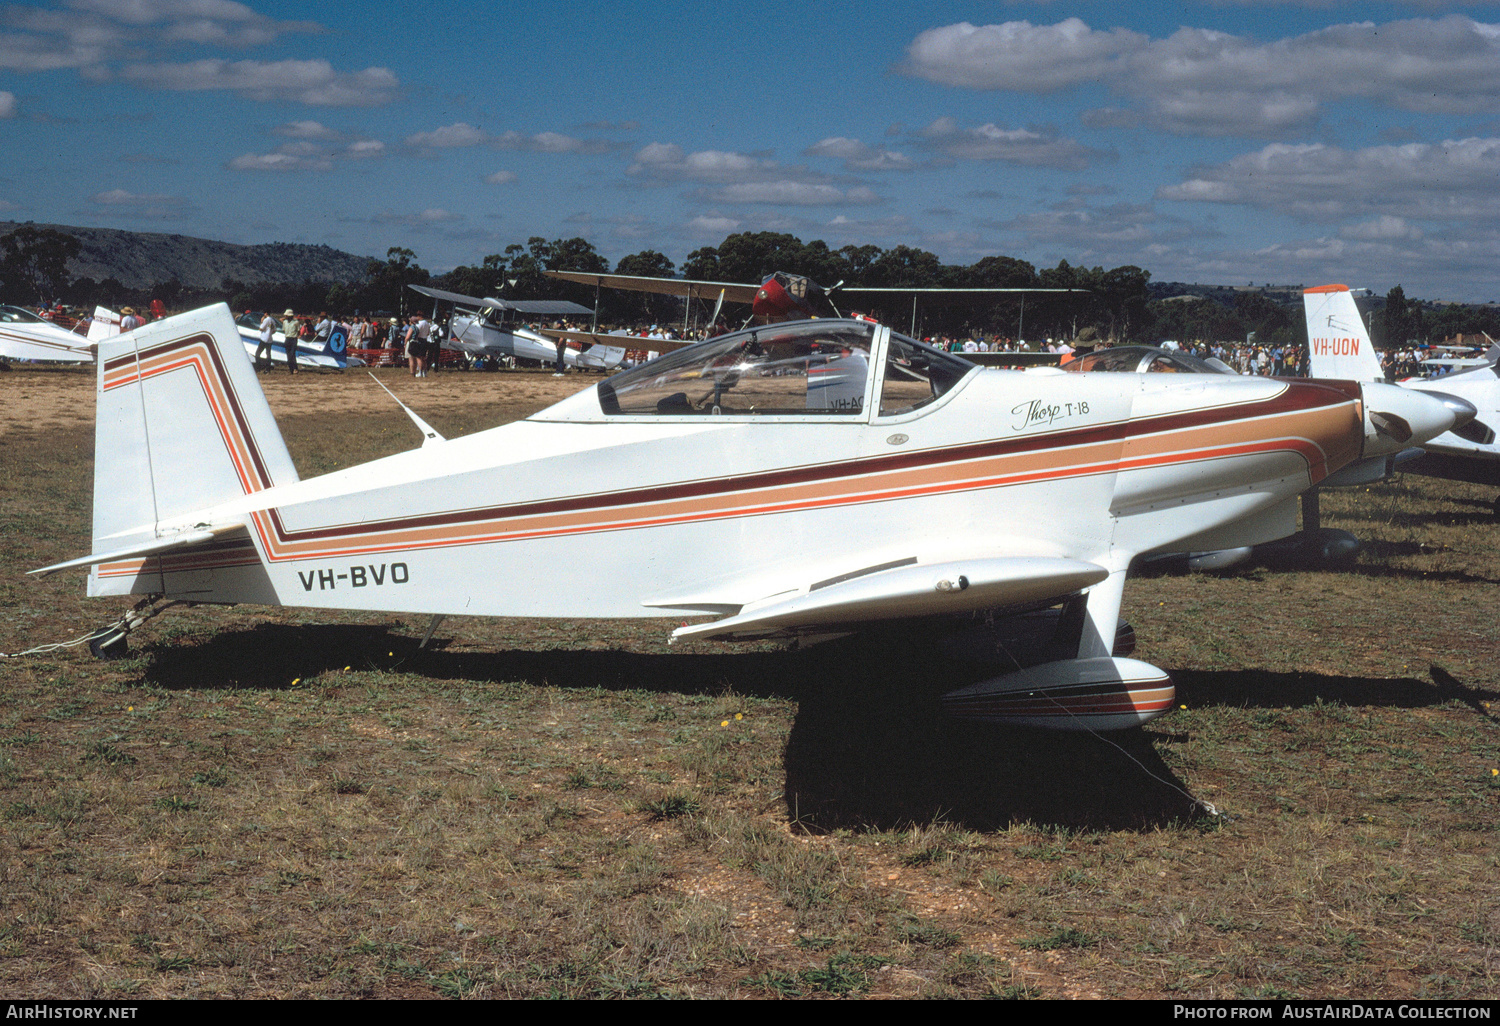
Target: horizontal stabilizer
point(151, 548)
point(934, 589)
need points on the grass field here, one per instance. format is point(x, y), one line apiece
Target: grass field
point(277, 802)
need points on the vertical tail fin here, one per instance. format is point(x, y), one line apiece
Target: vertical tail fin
point(1338, 346)
point(106, 324)
point(338, 344)
point(182, 425)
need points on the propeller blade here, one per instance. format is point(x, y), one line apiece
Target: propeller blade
point(717, 307)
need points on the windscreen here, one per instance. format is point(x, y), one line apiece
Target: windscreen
point(916, 374)
point(812, 367)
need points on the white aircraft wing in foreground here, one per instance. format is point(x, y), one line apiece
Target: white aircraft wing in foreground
point(799, 479)
point(1339, 346)
point(25, 336)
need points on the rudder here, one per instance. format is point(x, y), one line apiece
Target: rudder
point(1338, 346)
point(182, 425)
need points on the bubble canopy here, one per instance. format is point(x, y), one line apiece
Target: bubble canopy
point(817, 368)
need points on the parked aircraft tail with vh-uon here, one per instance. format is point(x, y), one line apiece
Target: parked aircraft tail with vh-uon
point(792, 480)
point(1339, 346)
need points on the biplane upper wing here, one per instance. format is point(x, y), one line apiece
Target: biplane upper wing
point(901, 290)
point(684, 287)
point(532, 307)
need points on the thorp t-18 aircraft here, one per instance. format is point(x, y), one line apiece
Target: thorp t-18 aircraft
point(1339, 346)
point(798, 479)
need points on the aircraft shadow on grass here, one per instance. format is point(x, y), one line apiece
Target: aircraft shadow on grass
point(1262, 689)
point(869, 746)
point(1445, 518)
point(1377, 549)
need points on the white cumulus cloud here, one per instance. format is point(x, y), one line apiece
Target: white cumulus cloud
point(449, 136)
point(462, 134)
point(1018, 55)
point(313, 148)
point(1451, 180)
point(1205, 82)
point(791, 193)
point(859, 157)
point(313, 82)
point(1384, 227)
point(304, 130)
point(713, 224)
point(1013, 145)
point(153, 206)
point(730, 177)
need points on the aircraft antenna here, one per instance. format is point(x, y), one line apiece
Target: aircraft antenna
point(429, 433)
point(140, 382)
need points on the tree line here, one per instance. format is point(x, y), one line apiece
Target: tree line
point(1110, 303)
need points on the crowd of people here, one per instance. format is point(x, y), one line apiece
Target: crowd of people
point(416, 341)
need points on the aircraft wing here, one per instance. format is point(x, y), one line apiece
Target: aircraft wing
point(685, 287)
point(594, 338)
point(36, 339)
point(897, 290)
point(1456, 362)
point(535, 307)
point(447, 297)
point(19, 342)
point(897, 590)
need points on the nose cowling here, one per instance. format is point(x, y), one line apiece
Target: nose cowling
point(1398, 418)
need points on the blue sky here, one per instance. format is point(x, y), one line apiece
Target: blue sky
point(1215, 142)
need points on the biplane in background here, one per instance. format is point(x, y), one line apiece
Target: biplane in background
point(1338, 345)
point(779, 296)
point(490, 328)
point(794, 480)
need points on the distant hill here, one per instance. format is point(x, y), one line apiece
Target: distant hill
point(142, 259)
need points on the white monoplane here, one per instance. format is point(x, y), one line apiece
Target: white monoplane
point(1339, 346)
point(805, 478)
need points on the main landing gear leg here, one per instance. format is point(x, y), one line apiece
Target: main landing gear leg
point(1102, 617)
